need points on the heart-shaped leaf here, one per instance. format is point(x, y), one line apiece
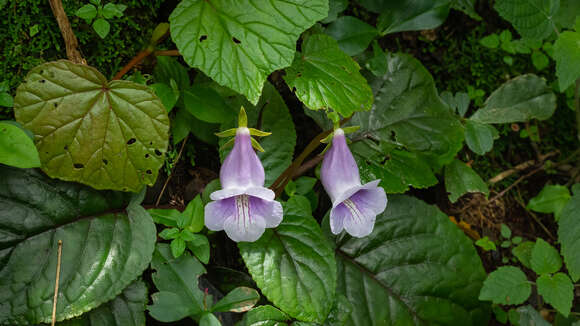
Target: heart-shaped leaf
point(108, 135)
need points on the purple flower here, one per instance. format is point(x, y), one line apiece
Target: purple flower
point(354, 205)
point(243, 208)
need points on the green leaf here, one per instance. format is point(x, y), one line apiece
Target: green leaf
point(558, 291)
point(462, 100)
point(506, 285)
point(540, 60)
point(168, 68)
point(199, 246)
point(335, 7)
point(545, 258)
point(325, 77)
point(410, 169)
point(106, 245)
point(352, 34)
point(265, 316)
point(467, 6)
point(567, 57)
point(304, 185)
point(108, 135)
point(168, 234)
point(166, 94)
point(208, 319)
point(378, 64)
point(176, 279)
point(177, 247)
point(407, 105)
point(461, 179)
point(193, 215)
point(523, 253)
point(518, 100)
point(111, 10)
point(167, 217)
point(400, 16)
point(531, 18)
point(505, 231)
point(6, 100)
point(294, 267)
point(491, 41)
point(16, 148)
point(87, 12)
point(479, 136)
point(485, 244)
point(239, 299)
point(551, 199)
point(528, 316)
point(569, 236)
point(101, 27)
point(567, 13)
point(207, 105)
point(238, 44)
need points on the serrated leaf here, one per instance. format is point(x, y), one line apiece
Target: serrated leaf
point(531, 18)
point(567, 57)
point(325, 77)
point(265, 316)
point(400, 16)
point(238, 44)
point(551, 199)
point(479, 136)
point(506, 285)
point(177, 281)
point(520, 99)
point(384, 275)
point(352, 34)
point(569, 236)
point(108, 135)
point(16, 148)
point(294, 267)
point(545, 258)
point(87, 12)
point(239, 299)
point(106, 245)
point(207, 105)
point(523, 253)
point(461, 179)
point(101, 27)
point(407, 105)
point(558, 291)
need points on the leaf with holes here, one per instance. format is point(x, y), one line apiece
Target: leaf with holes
point(294, 267)
point(239, 43)
point(106, 245)
point(531, 18)
point(325, 77)
point(416, 268)
point(108, 135)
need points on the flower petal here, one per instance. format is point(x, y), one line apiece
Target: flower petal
point(217, 212)
point(244, 225)
point(348, 192)
point(259, 192)
point(337, 216)
point(269, 210)
point(339, 170)
point(242, 167)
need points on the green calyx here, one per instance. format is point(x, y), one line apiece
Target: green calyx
point(243, 123)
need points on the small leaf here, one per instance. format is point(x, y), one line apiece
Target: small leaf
point(167, 69)
point(527, 316)
point(486, 244)
point(239, 299)
point(558, 291)
point(462, 100)
point(111, 10)
point(194, 215)
point(517, 240)
point(265, 316)
point(461, 179)
point(505, 231)
point(16, 148)
point(199, 246)
point(177, 247)
point(353, 35)
point(102, 27)
point(479, 136)
point(545, 258)
point(87, 12)
point(208, 319)
point(168, 234)
point(569, 236)
point(540, 60)
point(6, 100)
point(531, 18)
point(551, 199)
point(507, 285)
point(491, 41)
point(167, 217)
point(523, 253)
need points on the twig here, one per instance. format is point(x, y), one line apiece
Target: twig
point(521, 167)
point(54, 300)
point(135, 61)
point(70, 40)
point(307, 166)
point(522, 178)
point(520, 201)
point(169, 53)
point(172, 170)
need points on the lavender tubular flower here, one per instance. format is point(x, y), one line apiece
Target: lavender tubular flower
point(354, 205)
point(244, 207)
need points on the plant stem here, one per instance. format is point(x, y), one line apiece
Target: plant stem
point(135, 61)
point(169, 53)
point(57, 278)
point(70, 40)
point(173, 169)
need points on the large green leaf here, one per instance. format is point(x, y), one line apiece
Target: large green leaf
point(567, 56)
point(16, 148)
point(407, 15)
point(506, 285)
point(407, 105)
point(531, 18)
point(108, 135)
point(105, 246)
point(517, 100)
point(352, 34)
point(239, 43)
point(558, 291)
point(325, 77)
point(461, 179)
point(416, 268)
point(569, 236)
point(294, 267)
point(265, 316)
point(127, 309)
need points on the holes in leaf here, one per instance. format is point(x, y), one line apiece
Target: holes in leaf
point(236, 40)
point(202, 38)
point(105, 162)
point(131, 141)
point(66, 147)
point(42, 81)
point(55, 104)
point(148, 172)
point(298, 75)
point(294, 89)
point(150, 143)
point(78, 166)
point(147, 155)
point(158, 152)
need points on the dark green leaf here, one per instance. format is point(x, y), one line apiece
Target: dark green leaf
point(199, 246)
point(207, 105)
point(540, 60)
point(325, 77)
point(545, 258)
point(491, 41)
point(528, 316)
point(416, 268)
point(238, 300)
point(506, 285)
point(551, 199)
point(352, 34)
point(523, 253)
point(87, 12)
point(166, 94)
point(567, 13)
point(167, 217)
point(168, 68)
point(461, 179)
point(265, 316)
point(479, 136)
point(16, 148)
point(467, 6)
point(208, 319)
point(105, 247)
point(567, 57)
point(569, 236)
point(531, 18)
point(400, 16)
point(101, 27)
point(111, 10)
point(558, 291)
point(335, 7)
point(108, 135)
point(177, 247)
point(304, 185)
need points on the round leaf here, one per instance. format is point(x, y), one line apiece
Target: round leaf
point(551, 199)
point(16, 148)
point(558, 291)
point(108, 135)
point(506, 285)
point(479, 136)
point(545, 258)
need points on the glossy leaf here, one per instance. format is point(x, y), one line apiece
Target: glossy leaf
point(558, 291)
point(461, 179)
point(416, 268)
point(569, 236)
point(407, 105)
point(479, 136)
point(106, 245)
point(545, 258)
point(177, 282)
point(551, 199)
point(265, 316)
point(239, 299)
point(16, 148)
point(238, 44)
point(507, 285)
point(108, 135)
point(294, 267)
point(352, 34)
point(400, 16)
point(325, 77)
point(567, 57)
point(518, 100)
point(531, 18)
